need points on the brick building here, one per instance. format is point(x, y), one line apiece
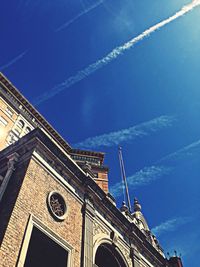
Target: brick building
point(55, 208)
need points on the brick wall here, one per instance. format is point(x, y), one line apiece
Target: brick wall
point(32, 198)
point(102, 180)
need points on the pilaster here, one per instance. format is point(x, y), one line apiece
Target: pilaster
point(88, 218)
point(12, 160)
point(135, 256)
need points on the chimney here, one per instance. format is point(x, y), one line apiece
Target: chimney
point(175, 262)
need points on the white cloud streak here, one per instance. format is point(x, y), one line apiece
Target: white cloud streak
point(143, 177)
point(170, 225)
point(13, 61)
point(186, 151)
point(149, 174)
point(84, 12)
point(127, 135)
point(114, 54)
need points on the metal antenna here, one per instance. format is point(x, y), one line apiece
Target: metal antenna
point(123, 174)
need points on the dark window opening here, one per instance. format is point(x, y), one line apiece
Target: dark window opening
point(44, 252)
point(106, 255)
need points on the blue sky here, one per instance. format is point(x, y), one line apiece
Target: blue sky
point(70, 58)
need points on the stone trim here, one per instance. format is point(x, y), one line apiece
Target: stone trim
point(15, 97)
point(122, 251)
point(34, 222)
point(62, 181)
point(12, 160)
point(144, 261)
point(88, 218)
point(56, 217)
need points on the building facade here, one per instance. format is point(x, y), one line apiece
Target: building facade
point(55, 207)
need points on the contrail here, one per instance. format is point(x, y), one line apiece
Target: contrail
point(85, 11)
point(151, 173)
point(142, 177)
point(13, 61)
point(170, 225)
point(128, 134)
point(115, 53)
point(188, 150)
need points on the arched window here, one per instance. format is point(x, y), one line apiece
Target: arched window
point(107, 255)
point(27, 130)
point(20, 124)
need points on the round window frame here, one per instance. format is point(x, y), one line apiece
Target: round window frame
point(59, 218)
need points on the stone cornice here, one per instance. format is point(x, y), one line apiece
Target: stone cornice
point(98, 155)
point(13, 95)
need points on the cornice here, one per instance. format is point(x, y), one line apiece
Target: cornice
point(15, 97)
point(98, 155)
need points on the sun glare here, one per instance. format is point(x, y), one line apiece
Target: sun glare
point(196, 2)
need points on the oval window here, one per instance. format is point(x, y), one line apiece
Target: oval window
point(57, 205)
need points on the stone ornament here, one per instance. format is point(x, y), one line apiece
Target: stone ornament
point(99, 229)
point(57, 206)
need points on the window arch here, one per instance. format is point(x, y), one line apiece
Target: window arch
point(107, 255)
point(27, 130)
point(20, 124)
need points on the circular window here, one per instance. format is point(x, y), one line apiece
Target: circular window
point(57, 206)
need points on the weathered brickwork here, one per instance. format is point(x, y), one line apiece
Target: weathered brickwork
point(102, 180)
point(102, 184)
point(32, 198)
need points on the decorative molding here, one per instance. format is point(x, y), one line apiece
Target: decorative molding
point(125, 252)
point(35, 222)
point(57, 205)
point(99, 229)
